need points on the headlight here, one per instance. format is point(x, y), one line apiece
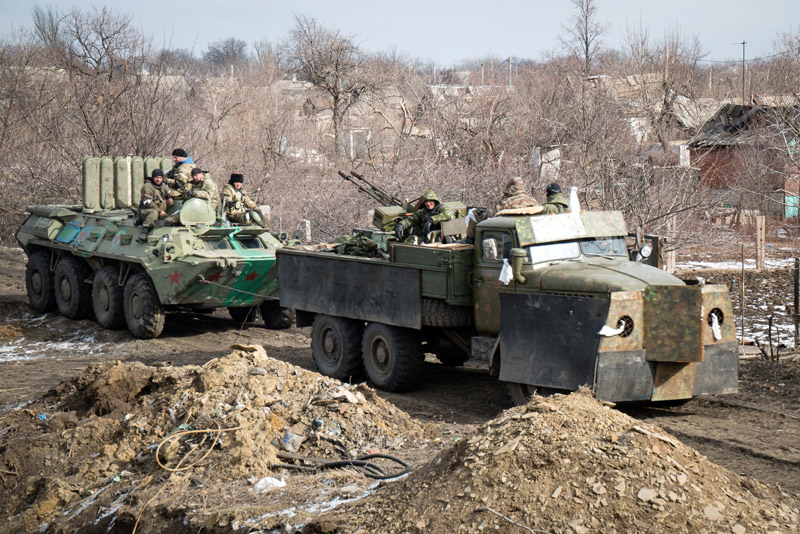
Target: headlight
point(645, 251)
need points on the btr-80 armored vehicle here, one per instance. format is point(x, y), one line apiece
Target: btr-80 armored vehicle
point(85, 258)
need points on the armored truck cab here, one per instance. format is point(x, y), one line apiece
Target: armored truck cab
point(84, 259)
point(545, 302)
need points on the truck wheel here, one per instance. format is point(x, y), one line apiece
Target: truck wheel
point(440, 314)
point(107, 297)
point(275, 316)
point(336, 344)
point(73, 294)
point(244, 315)
point(143, 311)
point(522, 393)
point(39, 282)
point(392, 357)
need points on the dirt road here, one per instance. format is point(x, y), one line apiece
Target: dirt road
point(754, 433)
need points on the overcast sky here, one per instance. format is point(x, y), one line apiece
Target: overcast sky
point(447, 32)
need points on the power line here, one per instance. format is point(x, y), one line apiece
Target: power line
point(785, 52)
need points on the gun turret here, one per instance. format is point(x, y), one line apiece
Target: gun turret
point(371, 190)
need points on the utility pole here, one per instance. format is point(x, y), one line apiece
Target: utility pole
point(744, 103)
point(509, 71)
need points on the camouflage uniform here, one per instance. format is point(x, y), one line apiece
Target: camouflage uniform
point(205, 189)
point(515, 196)
point(417, 220)
point(180, 177)
point(153, 202)
point(237, 206)
point(556, 203)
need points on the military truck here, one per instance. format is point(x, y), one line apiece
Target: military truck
point(83, 259)
point(544, 303)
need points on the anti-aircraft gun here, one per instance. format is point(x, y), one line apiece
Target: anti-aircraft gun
point(83, 257)
point(392, 210)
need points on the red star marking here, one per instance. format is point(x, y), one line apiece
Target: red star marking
point(214, 277)
point(84, 233)
point(117, 237)
point(175, 278)
point(252, 276)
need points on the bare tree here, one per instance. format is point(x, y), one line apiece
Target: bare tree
point(331, 62)
point(584, 34)
point(226, 53)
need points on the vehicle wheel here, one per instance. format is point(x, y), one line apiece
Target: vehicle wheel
point(438, 313)
point(107, 296)
point(392, 356)
point(73, 294)
point(275, 316)
point(244, 315)
point(39, 282)
point(143, 311)
point(522, 393)
point(336, 346)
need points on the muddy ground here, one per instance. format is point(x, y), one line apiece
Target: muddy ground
point(754, 433)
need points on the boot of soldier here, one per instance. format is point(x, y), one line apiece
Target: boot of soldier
point(143, 235)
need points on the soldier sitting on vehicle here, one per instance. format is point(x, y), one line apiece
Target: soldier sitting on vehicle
point(515, 196)
point(429, 215)
point(155, 198)
point(237, 206)
point(556, 202)
point(201, 186)
point(179, 176)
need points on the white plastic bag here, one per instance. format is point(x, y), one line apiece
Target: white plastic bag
point(574, 204)
point(506, 274)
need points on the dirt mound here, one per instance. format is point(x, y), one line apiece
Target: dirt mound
point(198, 443)
point(568, 464)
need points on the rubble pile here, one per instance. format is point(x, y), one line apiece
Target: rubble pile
point(568, 464)
point(85, 454)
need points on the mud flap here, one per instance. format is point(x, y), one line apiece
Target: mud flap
point(550, 340)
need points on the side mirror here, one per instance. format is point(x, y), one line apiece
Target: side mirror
point(518, 256)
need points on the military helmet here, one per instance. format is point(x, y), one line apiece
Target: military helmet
point(553, 188)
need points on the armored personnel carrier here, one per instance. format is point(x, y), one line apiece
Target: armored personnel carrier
point(84, 259)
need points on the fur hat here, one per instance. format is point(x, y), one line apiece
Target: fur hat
point(236, 177)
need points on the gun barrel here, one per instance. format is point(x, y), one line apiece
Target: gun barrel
point(388, 198)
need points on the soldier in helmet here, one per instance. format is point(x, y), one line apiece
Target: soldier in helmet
point(428, 217)
point(179, 176)
point(556, 202)
point(155, 198)
point(237, 205)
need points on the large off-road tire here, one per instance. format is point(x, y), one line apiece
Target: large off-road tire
point(438, 313)
point(522, 393)
point(73, 293)
point(144, 314)
point(39, 282)
point(275, 316)
point(107, 298)
point(244, 315)
point(392, 356)
point(336, 346)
